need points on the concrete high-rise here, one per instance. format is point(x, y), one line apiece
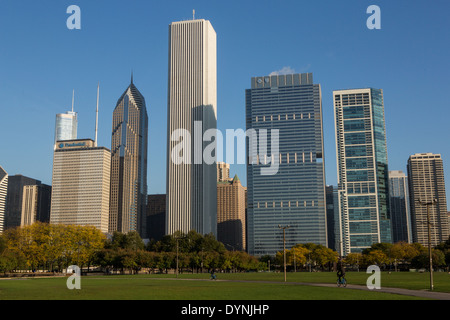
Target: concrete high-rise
point(129, 143)
point(231, 220)
point(362, 169)
point(80, 184)
point(223, 171)
point(294, 194)
point(36, 203)
point(426, 184)
point(3, 194)
point(399, 204)
point(191, 181)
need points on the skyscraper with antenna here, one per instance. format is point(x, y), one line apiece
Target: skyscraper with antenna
point(66, 124)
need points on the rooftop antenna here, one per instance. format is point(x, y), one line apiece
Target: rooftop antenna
point(193, 14)
point(73, 97)
point(96, 116)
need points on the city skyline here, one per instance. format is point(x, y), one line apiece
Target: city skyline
point(396, 65)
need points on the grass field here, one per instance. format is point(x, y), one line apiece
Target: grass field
point(245, 286)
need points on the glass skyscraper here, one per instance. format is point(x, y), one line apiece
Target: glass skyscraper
point(128, 199)
point(362, 169)
point(289, 106)
point(66, 126)
point(399, 204)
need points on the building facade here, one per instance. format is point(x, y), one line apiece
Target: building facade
point(223, 171)
point(292, 190)
point(231, 220)
point(399, 204)
point(156, 216)
point(426, 184)
point(192, 112)
point(66, 126)
point(3, 197)
point(16, 184)
point(362, 169)
point(81, 184)
point(129, 143)
point(36, 204)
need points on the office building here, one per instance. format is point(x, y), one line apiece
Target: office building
point(223, 171)
point(332, 216)
point(16, 184)
point(3, 196)
point(36, 204)
point(156, 216)
point(399, 204)
point(426, 184)
point(66, 124)
point(191, 180)
point(291, 192)
point(362, 169)
point(231, 219)
point(129, 163)
point(81, 184)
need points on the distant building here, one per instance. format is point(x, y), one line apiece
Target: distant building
point(426, 184)
point(66, 126)
point(231, 221)
point(16, 184)
point(3, 196)
point(399, 203)
point(156, 216)
point(361, 153)
point(36, 204)
point(332, 215)
point(223, 171)
point(81, 184)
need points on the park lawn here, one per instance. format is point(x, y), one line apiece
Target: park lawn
point(154, 287)
point(405, 280)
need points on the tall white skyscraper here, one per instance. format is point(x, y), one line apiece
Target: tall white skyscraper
point(192, 97)
point(66, 125)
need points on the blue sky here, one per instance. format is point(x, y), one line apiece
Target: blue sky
point(42, 61)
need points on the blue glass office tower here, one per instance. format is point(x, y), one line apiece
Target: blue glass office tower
point(362, 169)
point(293, 195)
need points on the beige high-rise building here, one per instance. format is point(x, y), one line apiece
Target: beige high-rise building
point(223, 171)
point(192, 112)
point(231, 198)
point(36, 201)
point(81, 184)
point(426, 185)
point(3, 193)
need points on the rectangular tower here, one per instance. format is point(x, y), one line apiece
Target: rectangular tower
point(426, 184)
point(294, 195)
point(191, 182)
point(362, 169)
point(399, 204)
point(80, 184)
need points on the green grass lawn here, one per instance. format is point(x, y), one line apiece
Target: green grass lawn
point(166, 287)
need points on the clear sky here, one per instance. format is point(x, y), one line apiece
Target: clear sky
point(42, 61)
